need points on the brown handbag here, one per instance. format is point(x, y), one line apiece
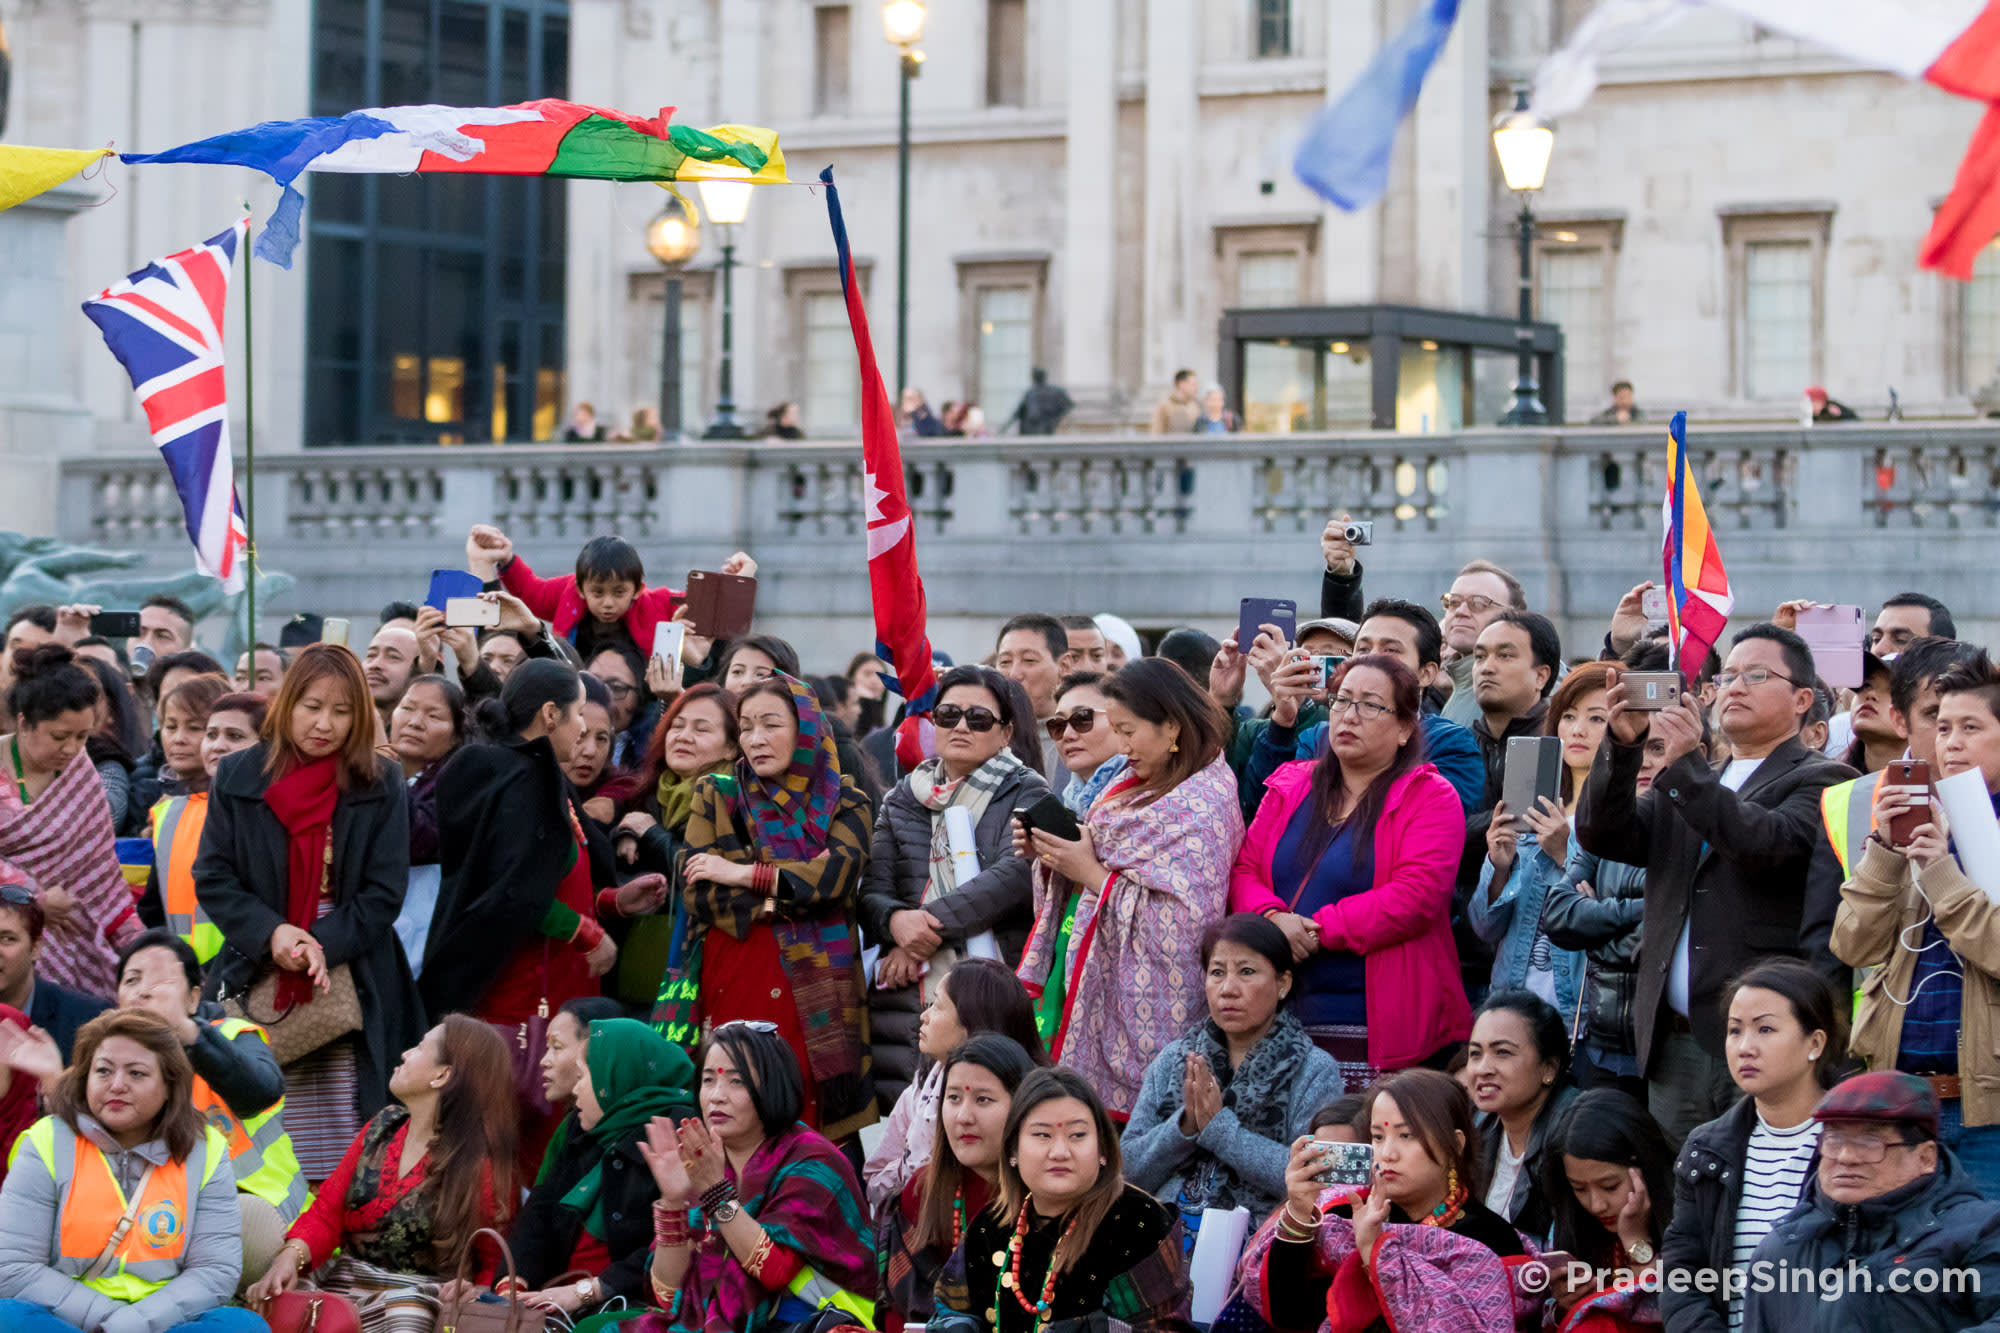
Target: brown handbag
point(302, 1029)
point(490, 1313)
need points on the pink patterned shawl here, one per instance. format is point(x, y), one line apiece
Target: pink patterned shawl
point(1139, 985)
point(64, 840)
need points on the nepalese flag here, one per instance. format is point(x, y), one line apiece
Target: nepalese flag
point(164, 324)
point(549, 137)
point(1698, 595)
point(897, 589)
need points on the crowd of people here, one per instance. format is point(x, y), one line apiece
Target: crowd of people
point(525, 970)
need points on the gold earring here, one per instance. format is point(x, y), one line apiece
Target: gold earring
point(1450, 1182)
point(1175, 748)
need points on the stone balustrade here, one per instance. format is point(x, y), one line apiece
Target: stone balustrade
point(1164, 531)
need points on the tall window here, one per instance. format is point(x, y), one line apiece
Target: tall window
point(1777, 318)
point(1274, 27)
point(829, 401)
point(830, 38)
point(1268, 277)
point(1006, 52)
point(1006, 347)
point(1982, 322)
point(435, 308)
point(1570, 292)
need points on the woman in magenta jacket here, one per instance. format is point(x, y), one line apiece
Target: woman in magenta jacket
point(1353, 855)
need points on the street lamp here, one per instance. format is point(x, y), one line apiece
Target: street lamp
point(727, 203)
point(1524, 141)
point(903, 24)
point(673, 238)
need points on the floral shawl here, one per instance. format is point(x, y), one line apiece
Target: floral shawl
point(65, 840)
point(805, 1196)
point(1134, 969)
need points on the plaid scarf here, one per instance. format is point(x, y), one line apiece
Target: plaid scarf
point(788, 818)
point(973, 793)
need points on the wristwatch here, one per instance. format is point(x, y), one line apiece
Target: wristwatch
point(725, 1212)
point(587, 1290)
point(1640, 1253)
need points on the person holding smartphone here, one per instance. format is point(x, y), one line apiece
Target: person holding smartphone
point(1911, 911)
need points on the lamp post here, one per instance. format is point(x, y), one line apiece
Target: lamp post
point(727, 203)
point(673, 238)
point(903, 24)
point(1523, 141)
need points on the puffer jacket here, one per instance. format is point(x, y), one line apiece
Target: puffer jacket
point(1921, 1258)
point(998, 899)
point(1606, 927)
point(1708, 1187)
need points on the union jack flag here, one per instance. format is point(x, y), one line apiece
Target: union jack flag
point(164, 324)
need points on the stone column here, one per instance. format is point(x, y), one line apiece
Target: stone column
point(1453, 179)
point(42, 420)
point(1085, 278)
point(1350, 244)
point(1173, 253)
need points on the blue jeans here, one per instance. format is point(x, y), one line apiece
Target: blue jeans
point(1977, 1147)
point(21, 1317)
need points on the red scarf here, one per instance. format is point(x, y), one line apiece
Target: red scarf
point(303, 801)
point(18, 1108)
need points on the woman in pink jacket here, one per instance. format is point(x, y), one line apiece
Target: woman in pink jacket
point(1353, 855)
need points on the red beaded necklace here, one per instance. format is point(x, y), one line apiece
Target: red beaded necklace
point(1011, 1279)
point(1448, 1212)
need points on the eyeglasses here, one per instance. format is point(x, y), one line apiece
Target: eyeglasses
point(619, 689)
point(1083, 719)
point(757, 1025)
point(1361, 708)
point(1752, 678)
point(1472, 602)
point(1865, 1149)
point(978, 717)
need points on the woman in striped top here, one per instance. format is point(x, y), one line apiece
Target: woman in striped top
point(1742, 1172)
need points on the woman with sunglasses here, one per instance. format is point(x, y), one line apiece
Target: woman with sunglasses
point(921, 905)
point(1088, 745)
point(1353, 856)
point(776, 850)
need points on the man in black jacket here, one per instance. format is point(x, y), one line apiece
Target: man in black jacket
point(1725, 855)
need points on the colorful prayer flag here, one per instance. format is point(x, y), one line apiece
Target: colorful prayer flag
point(1698, 595)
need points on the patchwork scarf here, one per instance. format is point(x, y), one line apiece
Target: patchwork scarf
point(788, 816)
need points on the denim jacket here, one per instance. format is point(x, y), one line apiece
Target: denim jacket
point(1514, 920)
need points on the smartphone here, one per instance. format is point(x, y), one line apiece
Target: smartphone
point(1050, 815)
point(1835, 635)
point(1255, 611)
point(668, 639)
point(449, 583)
point(1343, 1163)
point(334, 630)
point(115, 625)
point(1653, 605)
point(1329, 667)
point(470, 613)
point(1903, 825)
point(720, 605)
point(1533, 771)
point(1650, 691)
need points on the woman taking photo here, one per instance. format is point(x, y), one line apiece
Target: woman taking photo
point(1518, 1061)
point(1070, 1237)
point(425, 731)
point(55, 829)
point(1120, 911)
point(917, 906)
point(926, 1220)
point(1738, 1174)
point(121, 1122)
point(1609, 1174)
point(303, 865)
point(776, 850)
point(1083, 736)
point(1527, 852)
point(591, 1209)
point(978, 995)
point(177, 821)
point(760, 1220)
point(421, 1177)
point(1353, 855)
point(1222, 1104)
point(1414, 1250)
point(238, 1087)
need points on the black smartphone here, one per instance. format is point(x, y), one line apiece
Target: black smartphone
point(115, 625)
point(1050, 815)
point(1280, 611)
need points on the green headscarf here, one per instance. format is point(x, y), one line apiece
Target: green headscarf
point(635, 1074)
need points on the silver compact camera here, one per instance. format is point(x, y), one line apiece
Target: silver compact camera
point(1361, 533)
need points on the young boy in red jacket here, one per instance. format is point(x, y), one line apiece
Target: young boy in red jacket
point(606, 601)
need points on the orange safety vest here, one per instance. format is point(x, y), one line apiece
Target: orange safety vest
point(177, 825)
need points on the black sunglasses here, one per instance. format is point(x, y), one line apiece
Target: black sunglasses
point(1083, 719)
point(978, 718)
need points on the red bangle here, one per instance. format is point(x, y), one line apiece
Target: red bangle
point(764, 878)
point(607, 903)
point(670, 1226)
point(587, 936)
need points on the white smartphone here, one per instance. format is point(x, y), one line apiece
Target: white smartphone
point(334, 630)
point(668, 641)
point(470, 613)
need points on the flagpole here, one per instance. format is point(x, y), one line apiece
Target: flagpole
point(249, 458)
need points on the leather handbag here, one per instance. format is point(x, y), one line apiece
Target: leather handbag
point(490, 1313)
point(311, 1312)
point(303, 1028)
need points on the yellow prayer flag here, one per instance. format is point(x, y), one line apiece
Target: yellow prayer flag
point(27, 172)
point(771, 173)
